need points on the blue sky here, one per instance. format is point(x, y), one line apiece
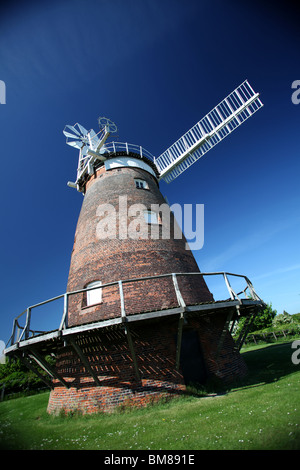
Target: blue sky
point(155, 67)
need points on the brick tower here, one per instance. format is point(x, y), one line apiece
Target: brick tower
point(122, 233)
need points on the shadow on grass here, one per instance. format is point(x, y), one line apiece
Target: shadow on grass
point(270, 363)
point(265, 365)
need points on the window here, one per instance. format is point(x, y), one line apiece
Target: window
point(94, 296)
point(151, 217)
point(141, 184)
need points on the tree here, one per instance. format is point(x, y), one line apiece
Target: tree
point(262, 320)
point(17, 378)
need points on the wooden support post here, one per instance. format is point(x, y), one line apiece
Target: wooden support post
point(180, 300)
point(13, 335)
point(244, 332)
point(84, 360)
point(232, 325)
point(28, 364)
point(127, 331)
point(26, 328)
point(123, 313)
point(28, 319)
point(230, 290)
point(235, 317)
point(179, 338)
point(182, 304)
point(131, 347)
point(64, 319)
point(44, 364)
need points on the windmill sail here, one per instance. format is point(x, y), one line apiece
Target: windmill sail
point(236, 108)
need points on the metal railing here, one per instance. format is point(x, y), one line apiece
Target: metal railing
point(114, 147)
point(20, 333)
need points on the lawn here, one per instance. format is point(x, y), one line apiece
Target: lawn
point(262, 412)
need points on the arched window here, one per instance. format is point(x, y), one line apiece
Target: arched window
point(94, 296)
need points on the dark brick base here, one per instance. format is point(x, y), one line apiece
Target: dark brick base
point(155, 348)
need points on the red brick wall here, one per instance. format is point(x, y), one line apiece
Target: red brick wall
point(109, 260)
point(155, 348)
point(110, 357)
point(230, 364)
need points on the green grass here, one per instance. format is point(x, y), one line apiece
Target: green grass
point(261, 412)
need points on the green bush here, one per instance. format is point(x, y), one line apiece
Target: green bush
point(261, 321)
point(282, 319)
point(17, 378)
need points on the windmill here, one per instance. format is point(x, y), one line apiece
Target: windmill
point(139, 319)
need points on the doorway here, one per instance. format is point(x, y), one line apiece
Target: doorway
point(191, 359)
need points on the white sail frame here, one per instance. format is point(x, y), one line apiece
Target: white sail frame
point(229, 114)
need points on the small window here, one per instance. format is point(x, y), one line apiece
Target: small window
point(151, 217)
point(94, 296)
point(141, 184)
